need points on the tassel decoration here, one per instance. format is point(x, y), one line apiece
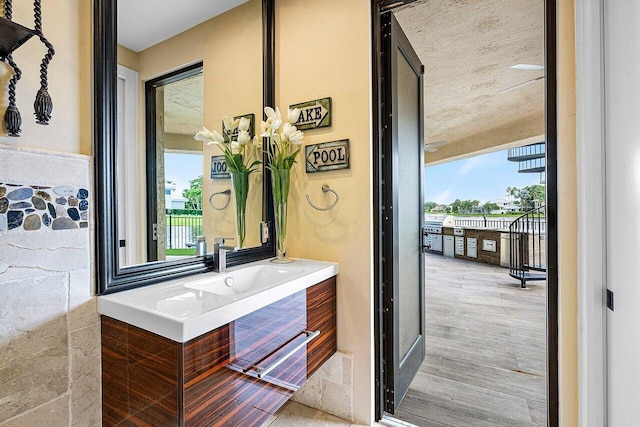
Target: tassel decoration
point(43, 105)
point(12, 119)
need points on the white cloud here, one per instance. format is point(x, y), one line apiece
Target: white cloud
point(443, 197)
point(471, 164)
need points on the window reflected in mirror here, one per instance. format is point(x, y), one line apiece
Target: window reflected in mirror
point(174, 115)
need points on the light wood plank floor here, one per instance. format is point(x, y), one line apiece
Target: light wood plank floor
point(486, 349)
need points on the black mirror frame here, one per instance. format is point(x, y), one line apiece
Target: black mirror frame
point(111, 278)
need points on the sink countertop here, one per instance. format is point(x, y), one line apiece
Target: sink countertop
point(184, 308)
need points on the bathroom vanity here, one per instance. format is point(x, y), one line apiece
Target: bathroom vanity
point(217, 348)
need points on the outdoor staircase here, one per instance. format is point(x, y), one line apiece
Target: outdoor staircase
point(527, 240)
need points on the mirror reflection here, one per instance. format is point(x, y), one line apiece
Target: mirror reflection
point(182, 67)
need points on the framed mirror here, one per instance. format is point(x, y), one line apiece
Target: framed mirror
point(155, 85)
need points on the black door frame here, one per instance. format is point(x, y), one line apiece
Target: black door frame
point(378, 7)
point(151, 155)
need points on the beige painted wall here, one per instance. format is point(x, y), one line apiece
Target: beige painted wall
point(68, 27)
point(230, 46)
point(128, 58)
point(323, 49)
point(567, 214)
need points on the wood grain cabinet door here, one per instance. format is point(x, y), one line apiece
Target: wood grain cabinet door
point(288, 341)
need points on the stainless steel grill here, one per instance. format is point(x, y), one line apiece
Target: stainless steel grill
point(432, 231)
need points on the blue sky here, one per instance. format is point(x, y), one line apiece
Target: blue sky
point(181, 168)
point(483, 178)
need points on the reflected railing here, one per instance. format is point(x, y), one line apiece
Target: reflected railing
point(182, 233)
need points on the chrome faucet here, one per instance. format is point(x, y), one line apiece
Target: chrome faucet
point(220, 253)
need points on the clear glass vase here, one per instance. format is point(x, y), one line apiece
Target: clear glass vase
point(240, 186)
point(280, 183)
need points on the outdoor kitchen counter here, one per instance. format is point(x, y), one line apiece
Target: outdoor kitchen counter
point(485, 255)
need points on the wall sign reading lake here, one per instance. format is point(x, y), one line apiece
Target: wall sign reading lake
point(327, 156)
point(313, 114)
point(234, 134)
point(219, 168)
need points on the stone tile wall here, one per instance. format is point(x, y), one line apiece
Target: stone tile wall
point(31, 207)
point(330, 389)
point(49, 329)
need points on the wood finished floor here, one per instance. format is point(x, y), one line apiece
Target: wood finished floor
point(486, 349)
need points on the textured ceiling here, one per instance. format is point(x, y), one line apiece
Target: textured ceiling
point(467, 47)
point(183, 106)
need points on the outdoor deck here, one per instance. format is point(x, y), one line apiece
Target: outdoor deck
point(486, 349)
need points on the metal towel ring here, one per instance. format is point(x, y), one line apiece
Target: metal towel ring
point(227, 193)
point(325, 188)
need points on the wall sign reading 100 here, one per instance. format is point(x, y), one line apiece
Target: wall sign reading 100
point(219, 168)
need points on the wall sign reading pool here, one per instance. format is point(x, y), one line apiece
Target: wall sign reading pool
point(327, 156)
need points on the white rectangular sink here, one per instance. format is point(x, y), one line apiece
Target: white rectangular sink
point(246, 280)
point(185, 308)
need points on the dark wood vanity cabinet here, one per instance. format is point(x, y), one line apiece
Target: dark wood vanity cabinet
point(236, 375)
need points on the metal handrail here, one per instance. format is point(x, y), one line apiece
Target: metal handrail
point(526, 246)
